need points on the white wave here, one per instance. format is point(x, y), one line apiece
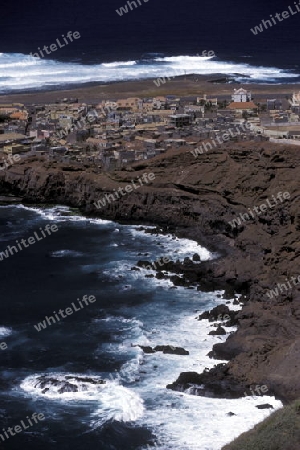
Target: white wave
point(61, 213)
point(171, 245)
point(58, 214)
point(64, 253)
point(18, 71)
point(121, 63)
point(121, 270)
point(5, 331)
point(118, 403)
point(162, 246)
point(180, 59)
point(114, 402)
point(205, 66)
point(128, 326)
point(198, 423)
point(179, 420)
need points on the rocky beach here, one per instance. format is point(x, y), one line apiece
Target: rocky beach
point(197, 198)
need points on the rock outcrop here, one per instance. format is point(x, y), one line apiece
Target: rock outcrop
point(198, 198)
point(166, 349)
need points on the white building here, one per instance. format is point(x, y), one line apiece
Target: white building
point(241, 95)
point(296, 99)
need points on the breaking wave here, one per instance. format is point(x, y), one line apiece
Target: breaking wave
point(19, 71)
point(5, 331)
point(113, 401)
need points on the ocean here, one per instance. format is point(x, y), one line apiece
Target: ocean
point(58, 371)
point(151, 40)
point(86, 373)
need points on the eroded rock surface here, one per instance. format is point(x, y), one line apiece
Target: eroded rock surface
point(196, 198)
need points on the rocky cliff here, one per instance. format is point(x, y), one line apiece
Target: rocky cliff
point(197, 198)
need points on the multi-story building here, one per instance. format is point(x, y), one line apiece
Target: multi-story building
point(241, 95)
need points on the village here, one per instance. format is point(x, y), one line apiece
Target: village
point(112, 134)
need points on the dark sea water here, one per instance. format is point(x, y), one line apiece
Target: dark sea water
point(145, 39)
point(133, 409)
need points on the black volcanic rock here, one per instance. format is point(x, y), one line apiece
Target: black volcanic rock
point(221, 313)
point(196, 257)
point(169, 349)
point(45, 382)
point(147, 349)
point(160, 276)
point(215, 383)
point(144, 264)
point(219, 331)
point(264, 406)
point(221, 351)
point(212, 190)
point(205, 315)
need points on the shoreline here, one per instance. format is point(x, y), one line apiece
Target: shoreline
point(196, 198)
point(183, 85)
point(264, 399)
point(241, 266)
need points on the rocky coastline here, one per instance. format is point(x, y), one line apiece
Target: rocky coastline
point(197, 198)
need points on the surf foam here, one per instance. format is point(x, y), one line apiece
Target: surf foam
point(114, 402)
point(21, 72)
